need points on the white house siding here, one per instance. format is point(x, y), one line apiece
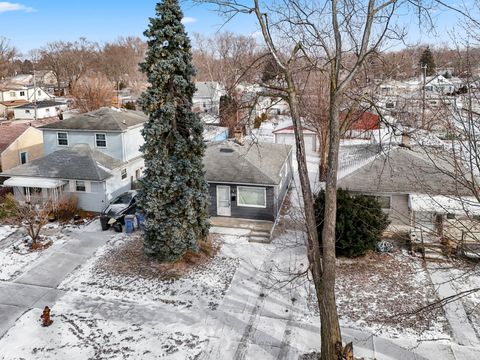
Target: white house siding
point(289, 139)
point(23, 94)
point(114, 141)
point(29, 114)
point(93, 199)
point(133, 139)
point(115, 185)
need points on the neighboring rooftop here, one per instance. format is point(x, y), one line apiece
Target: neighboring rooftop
point(251, 163)
point(79, 162)
point(404, 171)
point(10, 133)
point(40, 104)
point(105, 119)
point(13, 103)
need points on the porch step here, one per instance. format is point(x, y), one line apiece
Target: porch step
point(259, 239)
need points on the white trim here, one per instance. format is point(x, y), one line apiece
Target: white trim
point(62, 132)
point(95, 139)
point(252, 187)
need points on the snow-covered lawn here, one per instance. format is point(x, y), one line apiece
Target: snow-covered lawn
point(80, 336)
point(203, 286)
point(15, 253)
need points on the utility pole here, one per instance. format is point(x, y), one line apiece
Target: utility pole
point(34, 95)
point(424, 72)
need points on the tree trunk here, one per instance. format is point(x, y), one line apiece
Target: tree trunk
point(330, 327)
point(324, 282)
point(322, 173)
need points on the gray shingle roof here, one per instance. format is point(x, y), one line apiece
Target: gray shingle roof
point(40, 104)
point(404, 171)
point(79, 162)
point(104, 119)
point(227, 161)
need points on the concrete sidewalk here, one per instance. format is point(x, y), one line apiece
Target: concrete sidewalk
point(37, 287)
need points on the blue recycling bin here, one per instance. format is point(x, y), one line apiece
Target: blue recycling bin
point(140, 220)
point(129, 220)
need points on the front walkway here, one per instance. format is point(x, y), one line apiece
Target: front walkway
point(37, 287)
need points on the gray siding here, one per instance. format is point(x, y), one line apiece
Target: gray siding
point(399, 213)
point(244, 212)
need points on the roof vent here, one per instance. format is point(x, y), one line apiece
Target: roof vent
point(226, 150)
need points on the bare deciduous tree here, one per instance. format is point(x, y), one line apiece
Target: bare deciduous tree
point(8, 54)
point(338, 38)
point(69, 61)
point(92, 93)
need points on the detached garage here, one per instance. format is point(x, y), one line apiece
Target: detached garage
point(286, 136)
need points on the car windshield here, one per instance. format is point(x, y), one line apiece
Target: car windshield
point(123, 199)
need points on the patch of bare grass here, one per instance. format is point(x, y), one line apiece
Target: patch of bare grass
point(130, 260)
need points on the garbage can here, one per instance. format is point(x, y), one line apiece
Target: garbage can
point(104, 222)
point(140, 220)
point(129, 219)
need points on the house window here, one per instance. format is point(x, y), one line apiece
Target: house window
point(384, 201)
point(23, 157)
point(27, 111)
point(39, 93)
point(47, 110)
point(101, 140)
point(12, 94)
point(124, 173)
point(80, 186)
point(251, 196)
point(389, 105)
point(62, 138)
point(137, 174)
point(22, 93)
point(450, 216)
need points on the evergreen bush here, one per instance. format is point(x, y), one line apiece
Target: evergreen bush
point(360, 222)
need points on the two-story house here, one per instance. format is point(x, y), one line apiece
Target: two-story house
point(13, 95)
point(207, 97)
point(94, 156)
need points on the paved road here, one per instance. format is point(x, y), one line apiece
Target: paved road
point(37, 287)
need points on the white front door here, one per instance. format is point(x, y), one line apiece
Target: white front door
point(223, 200)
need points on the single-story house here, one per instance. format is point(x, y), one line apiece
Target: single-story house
point(6, 107)
point(247, 181)
point(89, 174)
point(44, 109)
point(286, 135)
point(403, 176)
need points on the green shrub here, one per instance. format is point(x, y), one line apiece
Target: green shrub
point(360, 222)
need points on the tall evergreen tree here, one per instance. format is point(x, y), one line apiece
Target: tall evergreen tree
point(174, 193)
point(427, 60)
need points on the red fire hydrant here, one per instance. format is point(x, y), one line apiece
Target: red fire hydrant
point(46, 321)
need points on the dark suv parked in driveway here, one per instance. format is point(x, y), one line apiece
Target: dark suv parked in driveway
point(124, 204)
